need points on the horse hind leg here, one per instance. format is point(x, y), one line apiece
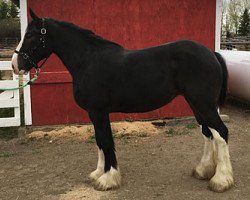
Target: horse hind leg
point(223, 177)
point(207, 165)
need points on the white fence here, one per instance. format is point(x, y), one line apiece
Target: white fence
point(9, 99)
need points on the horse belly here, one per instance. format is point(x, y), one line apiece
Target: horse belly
point(141, 99)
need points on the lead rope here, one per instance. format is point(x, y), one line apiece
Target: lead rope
point(26, 84)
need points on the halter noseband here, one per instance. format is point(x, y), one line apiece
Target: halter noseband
point(27, 56)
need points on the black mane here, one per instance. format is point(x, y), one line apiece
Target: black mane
point(86, 33)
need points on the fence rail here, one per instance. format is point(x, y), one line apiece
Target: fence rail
point(9, 99)
point(9, 42)
point(241, 43)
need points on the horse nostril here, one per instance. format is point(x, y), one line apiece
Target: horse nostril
point(12, 66)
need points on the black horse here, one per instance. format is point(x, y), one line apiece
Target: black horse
point(108, 78)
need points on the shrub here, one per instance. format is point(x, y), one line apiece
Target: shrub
point(10, 28)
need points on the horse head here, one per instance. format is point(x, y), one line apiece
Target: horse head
point(33, 47)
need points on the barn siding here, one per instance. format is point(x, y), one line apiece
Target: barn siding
point(131, 23)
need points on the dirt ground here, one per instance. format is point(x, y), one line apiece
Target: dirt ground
point(156, 162)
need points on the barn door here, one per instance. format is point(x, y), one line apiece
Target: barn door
point(10, 112)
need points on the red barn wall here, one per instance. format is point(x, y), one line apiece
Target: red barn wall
point(131, 23)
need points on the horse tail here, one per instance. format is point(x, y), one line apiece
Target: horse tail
point(224, 88)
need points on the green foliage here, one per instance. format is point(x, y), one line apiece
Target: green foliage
point(4, 9)
point(244, 28)
point(8, 10)
point(232, 10)
point(10, 28)
point(13, 11)
point(9, 22)
point(170, 132)
point(6, 154)
point(91, 139)
point(191, 126)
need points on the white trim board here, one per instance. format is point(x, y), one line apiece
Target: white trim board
point(26, 90)
point(218, 16)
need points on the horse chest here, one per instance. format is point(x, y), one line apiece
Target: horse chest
point(89, 95)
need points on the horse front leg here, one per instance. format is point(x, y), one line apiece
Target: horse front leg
point(107, 174)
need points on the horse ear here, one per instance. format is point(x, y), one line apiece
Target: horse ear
point(33, 15)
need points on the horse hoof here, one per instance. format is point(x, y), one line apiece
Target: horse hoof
point(221, 184)
point(96, 174)
point(204, 173)
point(109, 180)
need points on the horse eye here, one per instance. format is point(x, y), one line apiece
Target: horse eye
point(28, 35)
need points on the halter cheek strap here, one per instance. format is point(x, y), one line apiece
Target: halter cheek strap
point(27, 57)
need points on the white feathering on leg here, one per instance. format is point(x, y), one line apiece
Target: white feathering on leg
point(109, 180)
point(206, 168)
point(223, 178)
point(100, 166)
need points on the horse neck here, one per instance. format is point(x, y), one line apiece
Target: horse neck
point(75, 49)
point(69, 47)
